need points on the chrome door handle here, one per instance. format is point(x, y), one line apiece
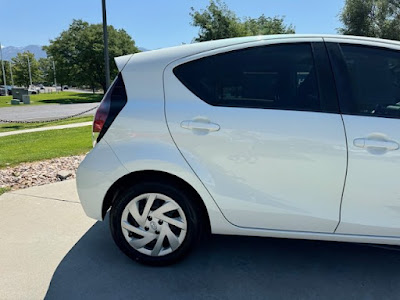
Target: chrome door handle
point(370, 143)
point(200, 125)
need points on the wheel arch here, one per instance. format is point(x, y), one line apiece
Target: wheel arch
point(152, 175)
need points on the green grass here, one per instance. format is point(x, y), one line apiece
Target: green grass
point(5, 101)
point(42, 145)
point(54, 98)
point(4, 190)
point(19, 126)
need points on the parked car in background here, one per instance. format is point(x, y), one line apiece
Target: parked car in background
point(32, 89)
point(288, 136)
point(65, 87)
point(3, 91)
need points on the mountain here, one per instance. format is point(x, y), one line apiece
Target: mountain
point(143, 49)
point(11, 51)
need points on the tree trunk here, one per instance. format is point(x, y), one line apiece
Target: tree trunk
point(104, 88)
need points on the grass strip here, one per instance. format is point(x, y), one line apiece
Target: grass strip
point(55, 98)
point(4, 190)
point(35, 146)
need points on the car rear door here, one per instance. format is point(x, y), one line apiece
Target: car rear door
point(368, 80)
point(259, 125)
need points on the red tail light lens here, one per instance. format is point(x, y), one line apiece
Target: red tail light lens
point(101, 114)
point(113, 102)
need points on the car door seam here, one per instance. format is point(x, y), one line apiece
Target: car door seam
point(344, 130)
point(173, 140)
point(345, 175)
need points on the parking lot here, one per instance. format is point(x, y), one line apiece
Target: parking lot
point(49, 248)
point(230, 268)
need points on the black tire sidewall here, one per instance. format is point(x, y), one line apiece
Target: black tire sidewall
point(188, 206)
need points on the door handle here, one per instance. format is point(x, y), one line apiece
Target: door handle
point(200, 125)
point(371, 143)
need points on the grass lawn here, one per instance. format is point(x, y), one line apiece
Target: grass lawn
point(18, 126)
point(3, 190)
point(42, 145)
point(60, 98)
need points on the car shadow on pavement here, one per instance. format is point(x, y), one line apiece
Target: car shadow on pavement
point(230, 267)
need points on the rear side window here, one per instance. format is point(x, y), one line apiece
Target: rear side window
point(276, 76)
point(374, 80)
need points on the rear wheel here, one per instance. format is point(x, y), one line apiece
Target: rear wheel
point(155, 223)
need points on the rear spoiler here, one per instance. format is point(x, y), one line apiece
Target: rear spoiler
point(121, 61)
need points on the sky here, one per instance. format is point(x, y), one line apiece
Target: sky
point(152, 24)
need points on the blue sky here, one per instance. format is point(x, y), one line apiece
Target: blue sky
point(154, 23)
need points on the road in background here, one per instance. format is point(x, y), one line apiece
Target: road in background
point(45, 112)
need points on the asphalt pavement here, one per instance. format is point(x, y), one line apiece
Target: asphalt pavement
point(50, 249)
point(45, 112)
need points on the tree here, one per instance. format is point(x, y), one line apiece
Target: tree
point(79, 53)
point(373, 18)
point(7, 71)
point(217, 21)
point(46, 71)
point(266, 25)
point(21, 69)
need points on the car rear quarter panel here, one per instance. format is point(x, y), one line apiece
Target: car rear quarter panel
point(140, 137)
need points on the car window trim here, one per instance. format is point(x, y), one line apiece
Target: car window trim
point(325, 79)
point(326, 92)
point(342, 76)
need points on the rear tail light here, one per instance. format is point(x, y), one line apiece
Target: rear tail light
point(113, 102)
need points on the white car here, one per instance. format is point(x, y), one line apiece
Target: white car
point(32, 89)
point(288, 136)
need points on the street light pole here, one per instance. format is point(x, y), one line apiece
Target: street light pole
point(29, 69)
point(4, 73)
point(54, 70)
point(12, 78)
point(105, 34)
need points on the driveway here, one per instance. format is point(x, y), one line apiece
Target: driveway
point(45, 112)
point(50, 249)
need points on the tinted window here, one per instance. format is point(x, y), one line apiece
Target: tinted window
point(374, 76)
point(277, 76)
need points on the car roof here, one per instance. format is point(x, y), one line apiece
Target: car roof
point(166, 55)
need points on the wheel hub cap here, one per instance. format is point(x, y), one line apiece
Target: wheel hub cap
point(154, 224)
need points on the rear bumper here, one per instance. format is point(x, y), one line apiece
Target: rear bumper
point(96, 174)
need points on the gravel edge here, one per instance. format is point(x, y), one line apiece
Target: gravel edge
point(26, 175)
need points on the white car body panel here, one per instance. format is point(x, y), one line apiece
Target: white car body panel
point(94, 179)
point(264, 171)
point(145, 144)
point(371, 198)
point(139, 139)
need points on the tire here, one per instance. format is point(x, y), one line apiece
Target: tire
point(155, 223)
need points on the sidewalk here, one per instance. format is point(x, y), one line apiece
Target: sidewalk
point(38, 226)
point(73, 125)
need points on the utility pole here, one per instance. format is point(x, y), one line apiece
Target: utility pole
point(105, 34)
point(12, 78)
point(29, 69)
point(54, 70)
point(4, 73)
